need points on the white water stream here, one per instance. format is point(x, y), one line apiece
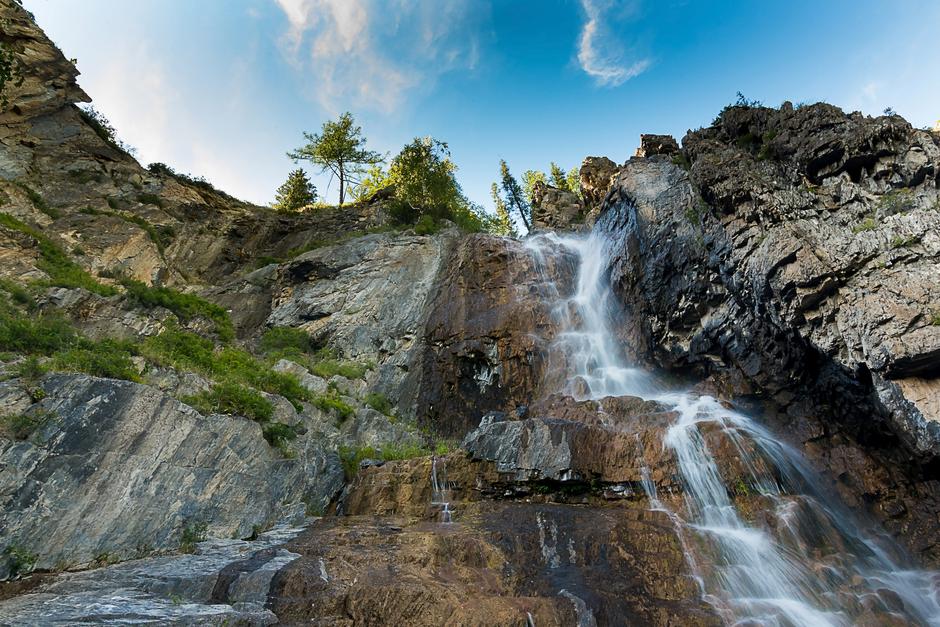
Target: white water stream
point(808, 562)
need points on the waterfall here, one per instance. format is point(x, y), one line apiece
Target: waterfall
point(805, 560)
point(440, 492)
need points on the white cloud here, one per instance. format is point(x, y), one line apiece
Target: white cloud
point(373, 53)
point(600, 55)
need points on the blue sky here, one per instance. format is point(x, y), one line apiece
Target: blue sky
point(223, 88)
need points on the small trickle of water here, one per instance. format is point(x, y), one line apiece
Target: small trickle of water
point(804, 560)
point(440, 492)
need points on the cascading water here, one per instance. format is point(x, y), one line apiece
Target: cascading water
point(440, 492)
point(809, 563)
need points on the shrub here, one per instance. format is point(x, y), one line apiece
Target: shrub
point(193, 533)
point(30, 370)
point(107, 358)
point(62, 271)
point(426, 225)
point(331, 403)
point(18, 293)
point(232, 398)
point(327, 365)
point(284, 341)
point(150, 199)
point(180, 349)
point(39, 335)
point(38, 201)
point(351, 457)
point(868, 224)
point(21, 561)
point(379, 402)
point(103, 129)
point(279, 435)
point(186, 306)
point(21, 426)
point(895, 201)
point(238, 365)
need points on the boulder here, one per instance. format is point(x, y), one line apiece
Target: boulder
point(656, 145)
point(595, 176)
point(556, 209)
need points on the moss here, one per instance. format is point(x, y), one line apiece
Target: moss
point(232, 398)
point(186, 306)
point(62, 271)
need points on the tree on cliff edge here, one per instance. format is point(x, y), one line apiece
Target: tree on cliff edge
point(296, 192)
point(514, 195)
point(339, 148)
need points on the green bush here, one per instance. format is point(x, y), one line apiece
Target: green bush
point(107, 358)
point(62, 271)
point(35, 335)
point(426, 225)
point(868, 224)
point(239, 365)
point(351, 457)
point(18, 293)
point(193, 533)
point(21, 561)
point(181, 350)
point(326, 365)
point(150, 199)
point(232, 398)
point(332, 403)
point(279, 435)
point(285, 341)
point(186, 306)
point(379, 402)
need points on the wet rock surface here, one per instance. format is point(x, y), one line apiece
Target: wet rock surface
point(797, 259)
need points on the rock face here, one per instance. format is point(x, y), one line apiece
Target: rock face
point(117, 470)
point(799, 259)
point(557, 209)
point(487, 329)
point(656, 145)
point(595, 175)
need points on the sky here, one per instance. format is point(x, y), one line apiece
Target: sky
point(224, 88)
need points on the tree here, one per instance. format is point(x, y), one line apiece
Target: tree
point(515, 197)
point(502, 224)
point(574, 180)
point(558, 176)
point(296, 192)
point(425, 182)
point(529, 179)
point(339, 148)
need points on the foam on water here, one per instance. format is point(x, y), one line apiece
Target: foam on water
point(811, 564)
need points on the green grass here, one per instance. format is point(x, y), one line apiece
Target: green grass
point(19, 294)
point(379, 402)
point(110, 359)
point(35, 335)
point(899, 241)
point(21, 426)
point(62, 271)
point(232, 398)
point(935, 319)
point(279, 435)
point(185, 306)
point(38, 201)
point(895, 201)
point(351, 457)
point(867, 224)
point(285, 341)
point(181, 350)
point(332, 403)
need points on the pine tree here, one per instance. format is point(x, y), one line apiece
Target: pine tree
point(559, 179)
point(502, 225)
point(574, 180)
point(296, 192)
point(515, 197)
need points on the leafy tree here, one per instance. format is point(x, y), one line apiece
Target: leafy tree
point(375, 179)
point(529, 179)
point(515, 197)
point(339, 148)
point(503, 222)
point(424, 179)
point(296, 192)
point(574, 180)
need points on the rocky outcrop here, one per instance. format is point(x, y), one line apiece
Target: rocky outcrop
point(595, 176)
point(651, 145)
point(798, 259)
point(556, 209)
point(115, 470)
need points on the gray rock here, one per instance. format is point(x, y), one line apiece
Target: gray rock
point(120, 468)
point(225, 582)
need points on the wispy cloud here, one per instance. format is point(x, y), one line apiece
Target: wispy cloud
point(600, 54)
point(373, 53)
